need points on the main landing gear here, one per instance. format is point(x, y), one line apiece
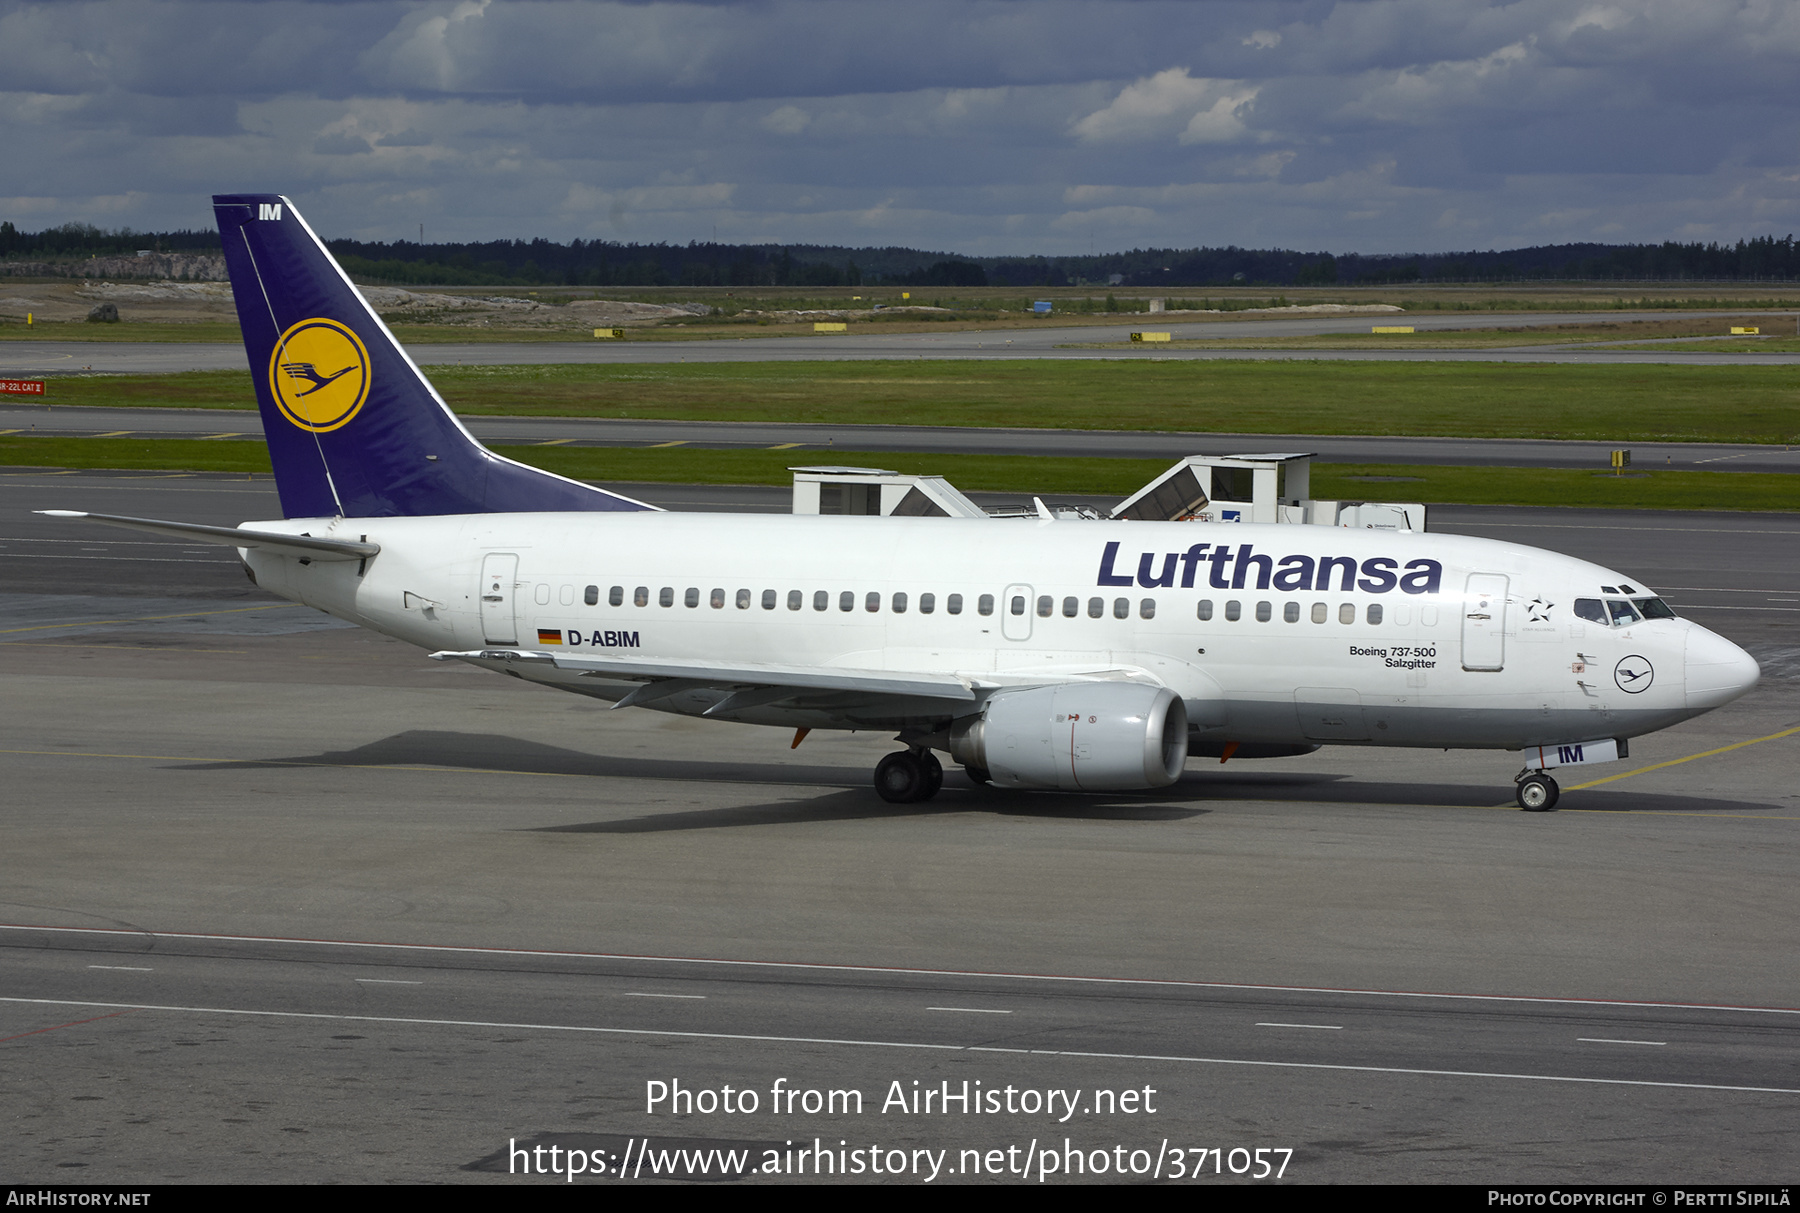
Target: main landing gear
point(1536, 791)
point(908, 776)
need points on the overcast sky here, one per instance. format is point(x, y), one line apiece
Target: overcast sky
point(989, 126)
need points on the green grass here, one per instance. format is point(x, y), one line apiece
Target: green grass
point(1616, 404)
point(1050, 477)
point(178, 332)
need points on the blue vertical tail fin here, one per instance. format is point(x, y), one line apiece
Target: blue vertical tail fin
point(354, 429)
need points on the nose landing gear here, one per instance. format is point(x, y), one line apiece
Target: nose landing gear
point(908, 776)
point(1536, 791)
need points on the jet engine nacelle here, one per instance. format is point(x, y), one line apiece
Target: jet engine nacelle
point(1080, 737)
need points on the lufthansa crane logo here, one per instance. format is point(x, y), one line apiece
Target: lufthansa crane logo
point(319, 375)
point(1634, 675)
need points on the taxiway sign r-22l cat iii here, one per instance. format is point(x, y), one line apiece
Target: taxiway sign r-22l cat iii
point(1080, 655)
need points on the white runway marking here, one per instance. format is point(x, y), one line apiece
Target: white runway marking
point(814, 967)
point(387, 981)
point(899, 1044)
point(636, 994)
point(123, 968)
point(971, 1010)
point(1323, 1027)
point(1601, 1040)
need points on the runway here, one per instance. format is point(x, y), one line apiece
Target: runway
point(285, 900)
point(811, 442)
point(1051, 341)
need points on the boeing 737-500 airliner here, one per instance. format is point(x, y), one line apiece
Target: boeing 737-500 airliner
point(1074, 654)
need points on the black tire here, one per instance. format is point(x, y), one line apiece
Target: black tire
point(1537, 793)
point(933, 772)
point(899, 778)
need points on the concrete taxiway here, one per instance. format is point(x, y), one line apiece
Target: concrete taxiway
point(286, 901)
point(811, 442)
point(1049, 341)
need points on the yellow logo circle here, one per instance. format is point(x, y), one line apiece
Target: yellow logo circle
point(319, 374)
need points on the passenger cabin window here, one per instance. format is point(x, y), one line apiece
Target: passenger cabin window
point(1046, 604)
point(872, 603)
point(1347, 613)
point(1147, 609)
point(566, 596)
point(1096, 607)
point(1319, 612)
point(1205, 609)
point(1264, 612)
point(1018, 604)
point(641, 596)
point(743, 600)
point(847, 600)
point(692, 597)
point(1121, 608)
point(927, 603)
point(542, 594)
point(1290, 612)
point(666, 595)
point(983, 605)
point(821, 600)
point(616, 596)
point(796, 600)
point(953, 604)
point(1071, 607)
point(768, 600)
point(591, 596)
point(1373, 614)
point(1234, 610)
point(900, 603)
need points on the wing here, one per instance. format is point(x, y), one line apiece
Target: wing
point(747, 684)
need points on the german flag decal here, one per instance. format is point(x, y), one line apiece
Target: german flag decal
point(549, 636)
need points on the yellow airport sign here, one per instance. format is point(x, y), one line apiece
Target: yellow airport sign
point(1738, 332)
point(830, 326)
point(1392, 328)
point(614, 334)
point(1149, 336)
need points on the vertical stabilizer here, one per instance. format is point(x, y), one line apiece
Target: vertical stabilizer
point(353, 427)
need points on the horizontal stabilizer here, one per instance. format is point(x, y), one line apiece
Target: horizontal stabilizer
point(234, 537)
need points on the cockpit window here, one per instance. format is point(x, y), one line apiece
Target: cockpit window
point(1653, 608)
point(1623, 612)
point(1591, 610)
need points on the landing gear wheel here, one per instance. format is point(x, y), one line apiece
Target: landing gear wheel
point(934, 775)
point(1537, 793)
point(899, 778)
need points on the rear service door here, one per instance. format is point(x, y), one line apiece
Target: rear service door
point(1484, 622)
point(499, 574)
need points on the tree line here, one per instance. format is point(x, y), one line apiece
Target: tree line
point(605, 263)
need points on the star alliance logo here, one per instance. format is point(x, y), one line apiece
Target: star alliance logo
point(1539, 609)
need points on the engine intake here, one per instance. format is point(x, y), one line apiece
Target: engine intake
point(1079, 737)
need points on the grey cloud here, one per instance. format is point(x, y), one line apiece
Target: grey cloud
point(991, 125)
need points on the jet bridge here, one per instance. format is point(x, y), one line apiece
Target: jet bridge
point(1269, 488)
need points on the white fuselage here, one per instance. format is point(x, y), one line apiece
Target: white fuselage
point(1471, 642)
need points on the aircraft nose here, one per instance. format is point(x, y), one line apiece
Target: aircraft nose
point(1717, 670)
